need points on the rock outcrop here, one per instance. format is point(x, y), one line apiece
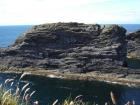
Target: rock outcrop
point(74, 47)
point(134, 44)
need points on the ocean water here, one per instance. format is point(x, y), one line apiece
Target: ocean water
point(8, 34)
point(131, 27)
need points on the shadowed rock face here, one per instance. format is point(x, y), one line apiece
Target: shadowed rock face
point(134, 44)
point(73, 47)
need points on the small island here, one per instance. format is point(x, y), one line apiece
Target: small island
point(75, 51)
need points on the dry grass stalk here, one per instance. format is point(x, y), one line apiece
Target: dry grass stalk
point(7, 97)
point(36, 103)
point(17, 91)
point(24, 87)
point(133, 102)
point(24, 74)
point(8, 80)
point(5, 94)
point(3, 102)
point(11, 84)
point(78, 97)
point(55, 102)
point(106, 103)
point(27, 90)
point(27, 98)
point(32, 93)
point(71, 103)
point(0, 85)
point(130, 103)
point(113, 98)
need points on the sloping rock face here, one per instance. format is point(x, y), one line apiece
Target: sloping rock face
point(74, 47)
point(134, 44)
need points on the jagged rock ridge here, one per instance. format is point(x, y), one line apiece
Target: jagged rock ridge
point(75, 47)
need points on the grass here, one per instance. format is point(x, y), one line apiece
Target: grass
point(22, 96)
point(76, 101)
point(17, 96)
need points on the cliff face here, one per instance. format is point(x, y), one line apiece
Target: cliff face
point(73, 47)
point(134, 44)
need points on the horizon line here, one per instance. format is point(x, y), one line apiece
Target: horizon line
point(63, 22)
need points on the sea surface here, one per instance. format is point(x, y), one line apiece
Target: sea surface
point(48, 90)
point(8, 34)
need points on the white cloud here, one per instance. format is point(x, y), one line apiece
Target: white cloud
point(42, 11)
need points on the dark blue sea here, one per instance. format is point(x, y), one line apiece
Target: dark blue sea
point(8, 34)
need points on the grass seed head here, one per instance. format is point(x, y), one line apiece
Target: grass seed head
point(71, 103)
point(36, 103)
point(55, 102)
point(27, 98)
point(24, 87)
point(113, 98)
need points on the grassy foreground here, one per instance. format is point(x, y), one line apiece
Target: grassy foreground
point(16, 95)
point(22, 96)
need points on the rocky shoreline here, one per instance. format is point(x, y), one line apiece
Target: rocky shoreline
point(131, 80)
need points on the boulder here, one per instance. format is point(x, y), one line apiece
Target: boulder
point(74, 47)
point(134, 44)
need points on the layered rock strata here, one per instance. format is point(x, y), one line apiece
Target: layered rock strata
point(74, 47)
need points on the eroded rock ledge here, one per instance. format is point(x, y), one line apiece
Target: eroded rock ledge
point(74, 47)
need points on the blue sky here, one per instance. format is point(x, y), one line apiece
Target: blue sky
point(16, 12)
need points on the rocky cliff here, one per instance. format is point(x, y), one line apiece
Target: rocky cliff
point(75, 47)
point(134, 44)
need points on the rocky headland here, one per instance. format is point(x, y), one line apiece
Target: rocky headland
point(74, 48)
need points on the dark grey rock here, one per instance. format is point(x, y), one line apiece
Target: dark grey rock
point(134, 44)
point(74, 47)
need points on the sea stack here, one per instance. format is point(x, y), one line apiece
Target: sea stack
point(74, 47)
